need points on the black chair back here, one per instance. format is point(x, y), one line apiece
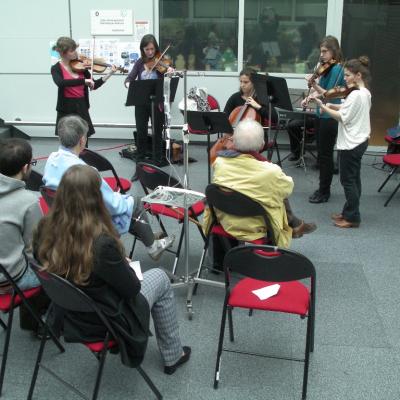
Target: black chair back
point(66, 295)
point(48, 194)
point(101, 164)
point(34, 181)
point(151, 176)
point(269, 263)
point(234, 203)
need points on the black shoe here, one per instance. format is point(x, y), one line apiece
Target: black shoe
point(318, 197)
point(170, 369)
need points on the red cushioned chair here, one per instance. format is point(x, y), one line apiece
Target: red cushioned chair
point(234, 203)
point(150, 177)
point(262, 266)
point(35, 181)
point(101, 163)
point(393, 144)
point(69, 298)
point(393, 161)
point(10, 301)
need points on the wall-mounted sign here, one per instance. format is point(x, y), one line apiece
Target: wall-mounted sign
point(111, 22)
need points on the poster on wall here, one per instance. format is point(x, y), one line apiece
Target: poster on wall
point(111, 22)
point(141, 28)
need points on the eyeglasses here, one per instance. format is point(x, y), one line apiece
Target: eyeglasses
point(33, 162)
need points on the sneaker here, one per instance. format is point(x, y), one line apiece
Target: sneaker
point(170, 369)
point(161, 245)
point(160, 235)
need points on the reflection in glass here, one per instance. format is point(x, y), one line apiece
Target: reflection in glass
point(283, 35)
point(203, 36)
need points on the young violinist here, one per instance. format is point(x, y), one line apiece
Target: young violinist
point(142, 70)
point(326, 126)
point(73, 86)
point(353, 134)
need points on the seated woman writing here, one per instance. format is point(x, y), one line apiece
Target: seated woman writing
point(88, 252)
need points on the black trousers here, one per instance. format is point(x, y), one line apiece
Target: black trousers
point(142, 116)
point(295, 131)
point(326, 139)
point(350, 167)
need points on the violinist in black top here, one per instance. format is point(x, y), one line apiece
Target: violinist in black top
point(73, 86)
point(142, 70)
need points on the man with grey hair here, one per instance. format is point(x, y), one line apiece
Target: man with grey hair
point(242, 168)
point(127, 212)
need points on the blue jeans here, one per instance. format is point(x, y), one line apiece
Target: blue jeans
point(28, 280)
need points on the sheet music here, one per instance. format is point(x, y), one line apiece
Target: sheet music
point(174, 197)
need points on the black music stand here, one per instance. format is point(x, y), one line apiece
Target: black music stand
point(145, 92)
point(212, 122)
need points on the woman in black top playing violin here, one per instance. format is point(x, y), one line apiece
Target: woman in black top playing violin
point(149, 49)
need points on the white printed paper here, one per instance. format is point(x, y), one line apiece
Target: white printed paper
point(135, 265)
point(267, 291)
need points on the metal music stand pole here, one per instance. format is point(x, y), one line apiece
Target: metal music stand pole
point(189, 279)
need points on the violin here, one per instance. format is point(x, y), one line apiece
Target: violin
point(159, 62)
point(321, 70)
point(82, 63)
point(340, 92)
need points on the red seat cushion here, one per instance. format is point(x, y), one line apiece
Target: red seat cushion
point(43, 205)
point(389, 139)
point(392, 159)
point(97, 347)
point(5, 299)
point(219, 230)
point(177, 213)
point(112, 182)
point(293, 297)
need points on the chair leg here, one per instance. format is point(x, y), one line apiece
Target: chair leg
point(102, 360)
point(230, 324)
point(306, 358)
point(178, 250)
point(200, 269)
point(150, 383)
point(37, 364)
point(392, 171)
point(220, 345)
point(391, 196)
point(2, 324)
point(133, 247)
point(6, 344)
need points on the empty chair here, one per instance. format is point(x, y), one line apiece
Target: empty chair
point(393, 161)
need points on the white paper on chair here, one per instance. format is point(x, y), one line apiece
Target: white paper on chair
point(267, 291)
point(135, 265)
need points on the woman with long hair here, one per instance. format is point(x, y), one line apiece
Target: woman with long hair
point(353, 134)
point(149, 49)
point(88, 252)
point(73, 87)
point(326, 126)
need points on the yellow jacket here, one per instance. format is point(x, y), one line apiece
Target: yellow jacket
point(263, 182)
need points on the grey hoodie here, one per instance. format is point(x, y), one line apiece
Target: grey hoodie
point(19, 214)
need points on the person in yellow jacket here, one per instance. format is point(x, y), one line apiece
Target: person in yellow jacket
point(242, 168)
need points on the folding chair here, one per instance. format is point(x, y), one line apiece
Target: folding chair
point(101, 163)
point(234, 203)
point(34, 181)
point(264, 266)
point(150, 177)
point(393, 161)
point(69, 298)
point(48, 195)
point(10, 301)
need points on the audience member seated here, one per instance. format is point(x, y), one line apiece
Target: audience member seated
point(127, 212)
point(264, 182)
point(88, 252)
point(20, 213)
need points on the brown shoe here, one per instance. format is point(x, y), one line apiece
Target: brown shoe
point(342, 223)
point(309, 227)
point(298, 231)
point(337, 217)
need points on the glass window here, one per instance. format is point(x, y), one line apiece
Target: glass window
point(372, 28)
point(203, 33)
point(283, 35)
